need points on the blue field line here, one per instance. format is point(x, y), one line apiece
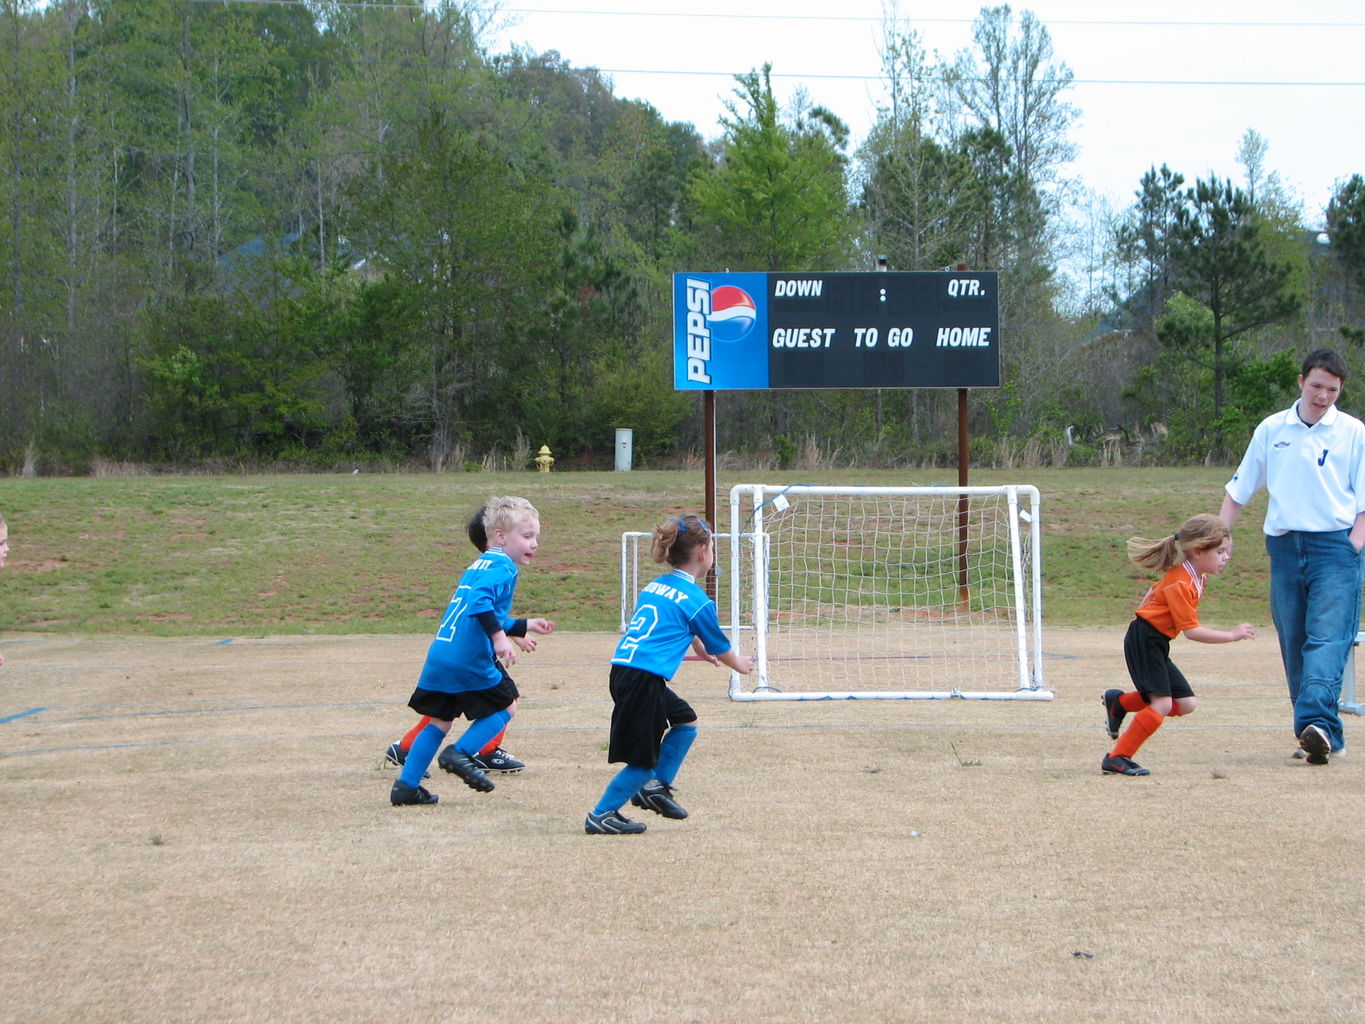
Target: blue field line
point(107, 746)
point(165, 712)
point(234, 709)
point(22, 714)
point(229, 666)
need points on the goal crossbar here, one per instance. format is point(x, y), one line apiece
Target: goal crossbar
point(911, 593)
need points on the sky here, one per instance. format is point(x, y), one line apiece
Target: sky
point(1178, 83)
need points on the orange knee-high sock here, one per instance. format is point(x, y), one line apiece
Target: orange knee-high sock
point(1144, 723)
point(494, 743)
point(406, 742)
point(1132, 701)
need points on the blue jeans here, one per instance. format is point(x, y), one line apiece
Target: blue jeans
point(1315, 581)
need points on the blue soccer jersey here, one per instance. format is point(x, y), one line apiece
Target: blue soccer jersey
point(461, 655)
point(669, 612)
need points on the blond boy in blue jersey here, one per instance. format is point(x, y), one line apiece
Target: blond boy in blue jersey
point(465, 673)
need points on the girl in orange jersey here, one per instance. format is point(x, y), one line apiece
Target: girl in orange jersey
point(1171, 607)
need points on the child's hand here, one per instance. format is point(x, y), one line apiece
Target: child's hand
point(503, 650)
point(741, 663)
point(699, 649)
point(544, 626)
point(1244, 631)
point(526, 643)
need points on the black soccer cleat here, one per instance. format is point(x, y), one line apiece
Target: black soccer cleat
point(498, 761)
point(451, 760)
point(611, 823)
point(1122, 766)
point(1113, 712)
point(657, 796)
point(1314, 743)
point(396, 755)
point(403, 795)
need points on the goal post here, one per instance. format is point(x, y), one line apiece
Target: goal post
point(912, 593)
point(637, 568)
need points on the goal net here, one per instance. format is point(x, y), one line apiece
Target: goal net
point(885, 592)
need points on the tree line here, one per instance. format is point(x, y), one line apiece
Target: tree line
point(335, 233)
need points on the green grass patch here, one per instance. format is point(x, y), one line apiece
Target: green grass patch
point(379, 554)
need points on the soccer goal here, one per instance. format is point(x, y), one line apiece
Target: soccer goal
point(886, 592)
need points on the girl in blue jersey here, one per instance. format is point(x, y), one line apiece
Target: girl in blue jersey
point(464, 673)
point(652, 728)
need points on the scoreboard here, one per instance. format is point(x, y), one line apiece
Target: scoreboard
point(749, 331)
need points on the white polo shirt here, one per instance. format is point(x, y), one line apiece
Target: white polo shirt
point(1315, 475)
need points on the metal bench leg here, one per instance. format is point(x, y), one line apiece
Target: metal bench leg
point(1348, 702)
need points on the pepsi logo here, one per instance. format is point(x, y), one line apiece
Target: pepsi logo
point(732, 314)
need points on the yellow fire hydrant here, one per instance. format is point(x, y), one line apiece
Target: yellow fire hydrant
point(544, 460)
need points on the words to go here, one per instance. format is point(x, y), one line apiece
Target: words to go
point(869, 337)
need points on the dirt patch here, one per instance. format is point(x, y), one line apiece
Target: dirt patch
point(199, 829)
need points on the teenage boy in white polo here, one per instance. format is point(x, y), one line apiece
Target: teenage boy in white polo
point(1311, 460)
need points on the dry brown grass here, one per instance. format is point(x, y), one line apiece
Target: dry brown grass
point(201, 832)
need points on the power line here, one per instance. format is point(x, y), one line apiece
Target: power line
point(229, 58)
point(817, 75)
point(693, 15)
point(799, 75)
point(911, 22)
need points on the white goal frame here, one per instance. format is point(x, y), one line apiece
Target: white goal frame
point(994, 651)
point(637, 569)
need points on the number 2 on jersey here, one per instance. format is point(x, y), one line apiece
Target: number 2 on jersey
point(641, 625)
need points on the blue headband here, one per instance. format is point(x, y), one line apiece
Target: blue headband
point(682, 525)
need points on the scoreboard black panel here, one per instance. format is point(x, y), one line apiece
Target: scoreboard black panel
point(846, 330)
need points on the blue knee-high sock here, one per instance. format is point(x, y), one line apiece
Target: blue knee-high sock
point(423, 749)
point(676, 743)
point(620, 789)
point(480, 731)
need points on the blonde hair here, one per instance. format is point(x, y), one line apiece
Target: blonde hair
point(677, 537)
point(504, 513)
point(1199, 533)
